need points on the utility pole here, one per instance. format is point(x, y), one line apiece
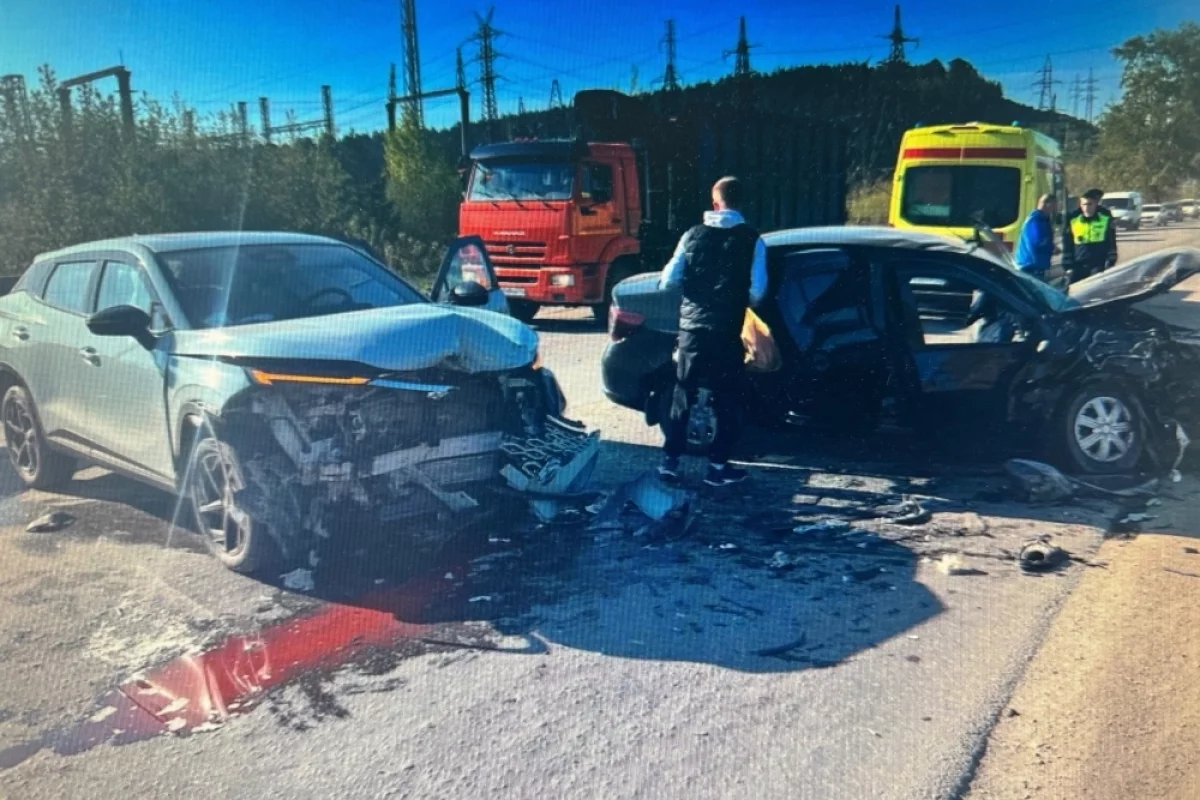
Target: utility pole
point(1090, 95)
point(327, 102)
point(741, 67)
point(412, 62)
point(459, 70)
point(243, 121)
point(486, 37)
point(1045, 86)
point(264, 113)
point(556, 100)
point(391, 101)
point(898, 40)
point(670, 78)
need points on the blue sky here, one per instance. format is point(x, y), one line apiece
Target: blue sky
point(217, 52)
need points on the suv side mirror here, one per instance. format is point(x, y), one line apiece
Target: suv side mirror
point(469, 293)
point(120, 321)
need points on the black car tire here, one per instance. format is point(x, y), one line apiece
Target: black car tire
point(524, 310)
point(1109, 412)
point(38, 466)
point(214, 469)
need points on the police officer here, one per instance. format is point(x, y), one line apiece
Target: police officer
point(1089, 238)
point(721, 267)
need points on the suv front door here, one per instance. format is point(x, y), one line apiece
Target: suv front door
point(126, 381)
point(467, 262)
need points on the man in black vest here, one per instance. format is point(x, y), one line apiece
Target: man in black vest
point(721, 267)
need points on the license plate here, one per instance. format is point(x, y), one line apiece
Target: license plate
point(513, 291)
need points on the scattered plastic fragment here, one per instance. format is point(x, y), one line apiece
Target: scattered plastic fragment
point(824, 526)
point(299, 580)
point(48, 523)
point(483, 598)
point(909, 512)
point(727, 546)
point(781, 560)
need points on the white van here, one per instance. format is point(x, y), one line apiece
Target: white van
point(1126, 208)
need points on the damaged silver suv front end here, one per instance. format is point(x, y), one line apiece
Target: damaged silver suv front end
point(321, 459)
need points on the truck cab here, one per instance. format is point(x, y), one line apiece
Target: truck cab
point(560, 220)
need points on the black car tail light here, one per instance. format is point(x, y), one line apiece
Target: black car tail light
point(623, 323)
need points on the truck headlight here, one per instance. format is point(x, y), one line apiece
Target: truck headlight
point(562, 280)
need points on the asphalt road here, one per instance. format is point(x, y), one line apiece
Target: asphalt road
point(869, 662)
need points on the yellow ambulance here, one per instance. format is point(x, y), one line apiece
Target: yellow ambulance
point(949, 176)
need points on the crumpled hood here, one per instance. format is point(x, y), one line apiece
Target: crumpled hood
point(1139, 279)
point(400, 339)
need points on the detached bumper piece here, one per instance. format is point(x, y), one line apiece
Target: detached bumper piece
point(553, 469)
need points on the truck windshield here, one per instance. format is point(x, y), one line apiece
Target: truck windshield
point(957, 196)
point(507, 180)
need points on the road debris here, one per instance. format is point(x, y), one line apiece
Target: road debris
point(299, 580)
point(1038, 482)
point(1041, 555)
point(908, 512)
point(51, 522)
point(1191, 551)
point(954, 565)
point(781, 560)
point(825, 526)
point(1181, 572)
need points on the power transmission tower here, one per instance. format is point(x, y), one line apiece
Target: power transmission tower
point(556, 100)
point(1090, 95)
point(521, 106)
point(741, 67)
point(670, 78)
point(391, 101)
point(1076, 93)
point(412, 62)
point(243, 120)
point(486, 37)
point(633, 79)
point(1045, 86)
point(898, 40)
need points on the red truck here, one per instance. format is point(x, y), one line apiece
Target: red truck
point(561, 220)
point(565, 220)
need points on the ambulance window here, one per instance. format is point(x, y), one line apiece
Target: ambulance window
point(954, 196)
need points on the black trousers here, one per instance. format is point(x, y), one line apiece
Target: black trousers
point(713, 360)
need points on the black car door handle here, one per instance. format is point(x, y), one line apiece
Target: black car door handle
point(90, 355)
point(21, 334)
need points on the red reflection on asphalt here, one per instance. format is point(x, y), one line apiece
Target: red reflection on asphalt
point(197, 690)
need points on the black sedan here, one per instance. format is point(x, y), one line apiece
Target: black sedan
point(945, 337)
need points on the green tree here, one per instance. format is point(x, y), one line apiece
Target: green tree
point(421, 183)
point(1151, 139)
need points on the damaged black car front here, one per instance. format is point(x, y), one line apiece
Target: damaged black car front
point(414, 419)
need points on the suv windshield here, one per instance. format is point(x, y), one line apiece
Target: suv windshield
point(506, 180)
point(957, 196)
point(224, 286)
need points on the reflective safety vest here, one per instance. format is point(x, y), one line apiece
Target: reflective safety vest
point(1090, 231)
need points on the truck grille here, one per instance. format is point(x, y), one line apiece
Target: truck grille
point(517, 253)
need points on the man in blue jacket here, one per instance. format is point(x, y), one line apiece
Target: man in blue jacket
point(1037, 238)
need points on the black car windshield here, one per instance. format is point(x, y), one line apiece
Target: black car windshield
point(508, 180)
point(957, 196)
point(241, 285)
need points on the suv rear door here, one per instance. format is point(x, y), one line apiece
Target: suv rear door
point(59, 353)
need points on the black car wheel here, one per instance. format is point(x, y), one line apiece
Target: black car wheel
point(35, 463)
point(1100, 432)
point(213, 477)
point(523, 310)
